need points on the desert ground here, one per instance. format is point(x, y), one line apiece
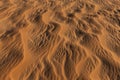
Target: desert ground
point(59, 39)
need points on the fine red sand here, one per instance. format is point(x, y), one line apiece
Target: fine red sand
point(59, 39)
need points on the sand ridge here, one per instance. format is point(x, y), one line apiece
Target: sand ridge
point(59, 40)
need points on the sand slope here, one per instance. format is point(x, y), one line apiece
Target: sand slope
point(59, 39)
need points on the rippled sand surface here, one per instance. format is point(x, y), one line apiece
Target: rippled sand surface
point(59, 39)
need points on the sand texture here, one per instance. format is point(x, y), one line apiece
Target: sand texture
point(59, 39)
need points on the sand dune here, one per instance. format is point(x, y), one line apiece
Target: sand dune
point(59, 39)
